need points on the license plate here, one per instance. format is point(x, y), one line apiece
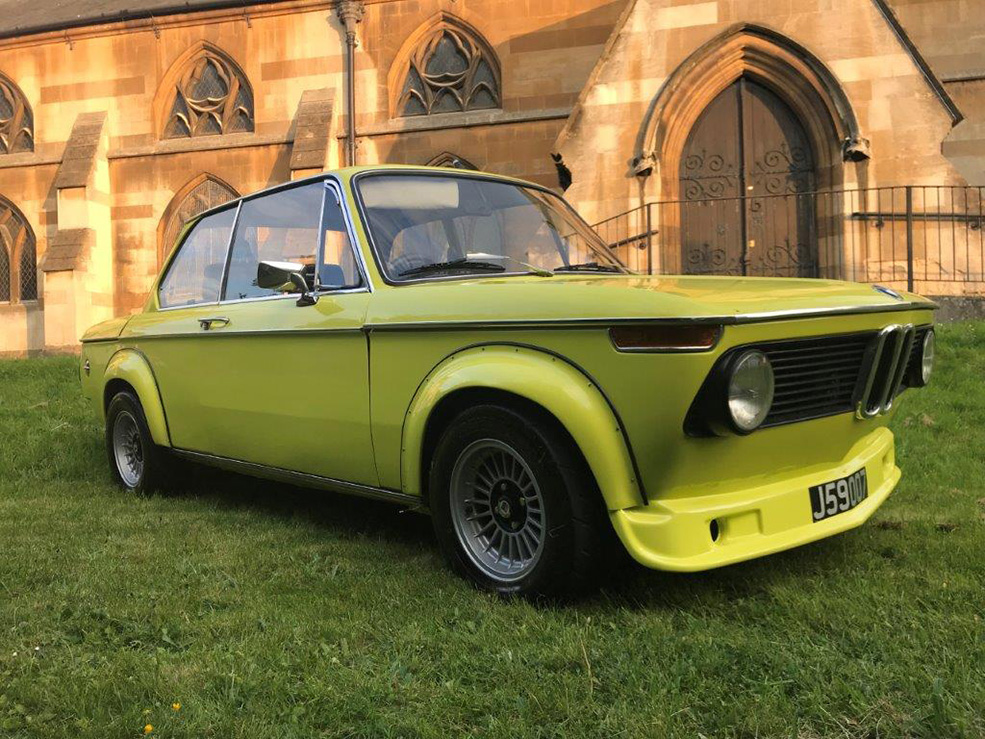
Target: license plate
point(831, 498)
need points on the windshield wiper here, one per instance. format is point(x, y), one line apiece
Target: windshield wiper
point(454, 264)
point(587, 267)
point(534, 270)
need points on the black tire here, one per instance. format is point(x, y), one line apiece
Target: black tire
point(573, 547)
point(124, 409)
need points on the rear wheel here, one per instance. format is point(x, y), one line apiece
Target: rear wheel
point(515, 507)
point(137, 463)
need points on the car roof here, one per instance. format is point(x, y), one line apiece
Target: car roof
point(350, 172)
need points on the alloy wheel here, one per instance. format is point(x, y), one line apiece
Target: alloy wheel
point(497, 510)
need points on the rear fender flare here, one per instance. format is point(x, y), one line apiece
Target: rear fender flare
point(548, 380)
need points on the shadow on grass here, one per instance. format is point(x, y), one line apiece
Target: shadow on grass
point(636, 587)
point(344, 514)
point(627, 584)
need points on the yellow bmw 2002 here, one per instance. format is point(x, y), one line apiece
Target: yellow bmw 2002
point(465, 344)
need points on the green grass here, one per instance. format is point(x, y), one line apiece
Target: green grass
point(269, 611)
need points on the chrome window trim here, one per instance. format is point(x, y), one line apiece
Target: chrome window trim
point(229, 254)
point(335, 183)
point(461, 174)
point(320, 239)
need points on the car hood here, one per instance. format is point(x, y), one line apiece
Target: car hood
point(632, 297)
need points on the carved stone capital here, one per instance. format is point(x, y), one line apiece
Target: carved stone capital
point(350, 12)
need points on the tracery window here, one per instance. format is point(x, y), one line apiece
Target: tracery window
point(211, 96)
point(16, 120)
point(17, 247)
point(450, 70)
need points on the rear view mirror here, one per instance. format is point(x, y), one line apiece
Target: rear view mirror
point(285, 277)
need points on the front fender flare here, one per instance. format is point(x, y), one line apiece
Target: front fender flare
point(132, 367)
point(544, 378)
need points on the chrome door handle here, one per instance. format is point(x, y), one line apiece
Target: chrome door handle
point(207, 323)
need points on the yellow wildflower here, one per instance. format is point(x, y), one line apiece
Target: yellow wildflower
point(148, 729)
point(176, 706)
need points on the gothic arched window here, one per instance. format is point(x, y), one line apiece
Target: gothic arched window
point(449, 68)
point(4, 274)
point(202, 193)
point(447, 159)
point(16, 121)
point(17, 249)
point(209, 96)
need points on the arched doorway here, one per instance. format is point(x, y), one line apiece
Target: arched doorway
point(745, 175)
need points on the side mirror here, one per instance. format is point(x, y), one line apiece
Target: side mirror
point(285, 277)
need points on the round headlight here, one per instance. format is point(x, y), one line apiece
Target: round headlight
point(750, 390)
point(927, 357)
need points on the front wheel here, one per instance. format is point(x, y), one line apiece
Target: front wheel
point(137, 463)
point(515, 508)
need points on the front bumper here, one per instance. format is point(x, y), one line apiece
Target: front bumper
point(675, 534)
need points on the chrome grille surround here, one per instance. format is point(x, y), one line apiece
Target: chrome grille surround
point(884, 368)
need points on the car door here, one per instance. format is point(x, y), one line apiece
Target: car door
point(258, 378)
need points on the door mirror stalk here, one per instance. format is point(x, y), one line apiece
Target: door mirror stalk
point(286, 277)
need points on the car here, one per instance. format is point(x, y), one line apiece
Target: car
point(465, 344)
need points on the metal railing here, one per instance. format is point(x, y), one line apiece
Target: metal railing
point(929, 238)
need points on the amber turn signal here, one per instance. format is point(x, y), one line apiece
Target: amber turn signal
point(664, 338)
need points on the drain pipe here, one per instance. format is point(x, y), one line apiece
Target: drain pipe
point(350, 12)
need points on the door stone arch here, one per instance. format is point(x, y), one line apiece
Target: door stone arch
point(746, 181)
point(809, 93)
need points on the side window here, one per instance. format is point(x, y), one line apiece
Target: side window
point(195, 273)
point(338, 267)
point(279, 227)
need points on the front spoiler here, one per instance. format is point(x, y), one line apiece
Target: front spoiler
point(675, 534)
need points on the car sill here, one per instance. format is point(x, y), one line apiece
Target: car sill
point(302, 479)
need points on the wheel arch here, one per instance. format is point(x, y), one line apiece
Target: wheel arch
point(129, 369)
point(527, 378)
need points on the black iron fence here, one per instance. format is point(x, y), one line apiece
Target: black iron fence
point(928, 238)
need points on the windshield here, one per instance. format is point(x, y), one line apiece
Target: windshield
point(428, 226)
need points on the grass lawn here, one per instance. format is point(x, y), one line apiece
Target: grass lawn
point(268, 611)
